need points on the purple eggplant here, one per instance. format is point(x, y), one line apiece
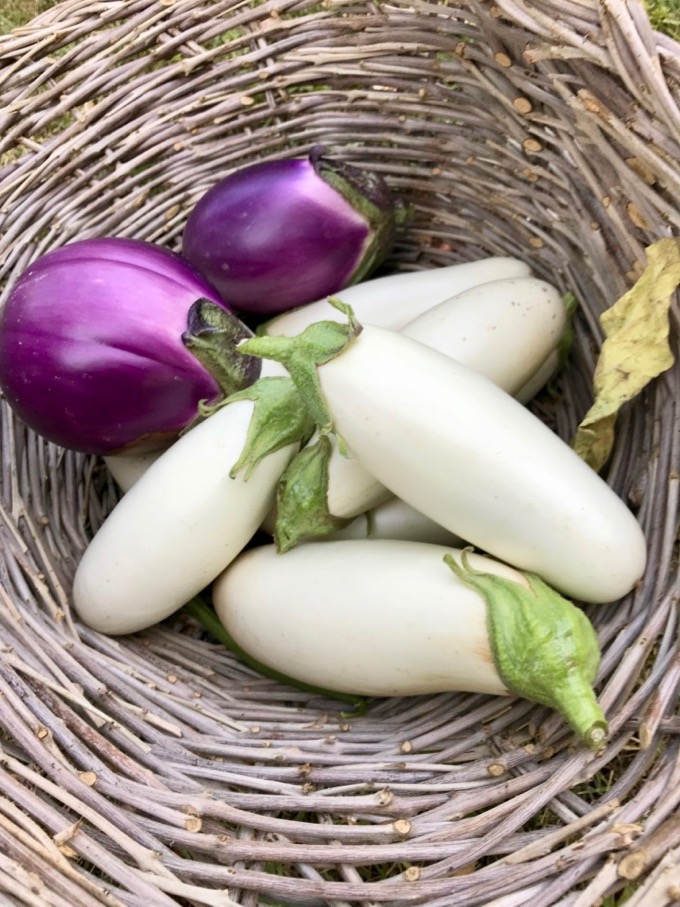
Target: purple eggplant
point(279, 234)
point(96, 345)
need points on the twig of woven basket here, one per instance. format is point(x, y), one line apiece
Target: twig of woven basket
point(156, 770)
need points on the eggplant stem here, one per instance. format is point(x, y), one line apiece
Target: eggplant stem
point(544, 648)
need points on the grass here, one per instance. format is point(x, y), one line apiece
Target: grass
point(16, 12)
point(665, 16)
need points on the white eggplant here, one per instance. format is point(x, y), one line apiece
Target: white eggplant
point(395, 519)
point(351, 487)
point(460, 450)
point(505, 330)
point(545, 373)
point(127, 469)
point(180, 524)
point(393, 301)
point(385, 618)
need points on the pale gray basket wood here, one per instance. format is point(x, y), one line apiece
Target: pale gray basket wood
point(157, 770)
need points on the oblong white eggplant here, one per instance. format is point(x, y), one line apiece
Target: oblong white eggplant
point(385, 618)
point(460, 450)
point(505, 330)
point(351, 487)
point(456, 447)
point(395, 519)
point(393, 301)
point(545, 373)
point(127, 469)
point(180, 524)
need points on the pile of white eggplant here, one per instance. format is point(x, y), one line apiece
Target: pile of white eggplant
point(422, 441)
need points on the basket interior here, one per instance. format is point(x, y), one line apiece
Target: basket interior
point(158, 768)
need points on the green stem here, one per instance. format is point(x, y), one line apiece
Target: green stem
point(544, 647)
point(302, 494)
point(279, 418)
point(574, 698)
point(303, 353)
point(207, 618)
point(302, 498)
point(566, 341)
point(367, 193)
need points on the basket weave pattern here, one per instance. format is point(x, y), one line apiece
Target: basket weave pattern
point(156, 770)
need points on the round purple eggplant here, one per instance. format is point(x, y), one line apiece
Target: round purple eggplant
point(279, 234)
point(93, 351)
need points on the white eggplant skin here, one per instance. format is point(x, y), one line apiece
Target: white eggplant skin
point(395, 519)
point(178, 527)
point(352, 489)
point(549, 368)
point(463, 452)
point(377, 618)
point(126, 470)
point(393, 301)
point(503, 330)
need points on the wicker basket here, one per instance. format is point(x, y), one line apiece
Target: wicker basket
point(156, 770)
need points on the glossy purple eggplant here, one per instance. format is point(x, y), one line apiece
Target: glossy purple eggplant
point(93, 352)
point(279, 234)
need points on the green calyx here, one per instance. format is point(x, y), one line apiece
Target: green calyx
point(545, 649)
point(301, 499)
point(279, 418)
point(302, 494)
point(301, 355)
point(566, 341)
point(213, 335)
point(368, 194)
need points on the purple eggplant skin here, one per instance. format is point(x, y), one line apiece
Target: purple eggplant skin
point(91, 349)
point(279, 234)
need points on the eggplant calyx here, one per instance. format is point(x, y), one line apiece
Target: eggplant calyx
point(279, 418)
point(544, 648)
point(566, 341)
point(213, 334)
point(302, 512)
point(366, 193)
point(302, 354)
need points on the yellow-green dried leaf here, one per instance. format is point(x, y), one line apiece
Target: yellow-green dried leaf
point(635, 350)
